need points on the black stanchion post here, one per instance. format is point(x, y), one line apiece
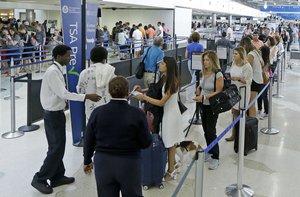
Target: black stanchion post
point(180, 63)
point(83, 55)
point(176, 46)
point(130, 61)
point(29, 126)
point(197, 120)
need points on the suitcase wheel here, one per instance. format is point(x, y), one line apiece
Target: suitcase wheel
point(145, 187)
point(161, 186)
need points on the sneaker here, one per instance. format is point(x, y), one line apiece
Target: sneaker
point(213, 164)
point(263, 116)
point(42, 187)
point(62, 181)
point(258, 112)
point(207, 157)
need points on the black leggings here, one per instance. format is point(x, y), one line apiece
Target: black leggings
point(209, 122)
point(263, 97)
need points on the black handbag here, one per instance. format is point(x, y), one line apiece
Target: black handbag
point(155, 91)
point(140, 69)
point(225, 100)
point(181, 106)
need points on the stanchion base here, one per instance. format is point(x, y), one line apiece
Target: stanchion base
point(11, 135)
point(79, 144)
point(27, 128)
point(233, 191)
point(196, 121)
point(270, 131)
point(8, 97)
point(277, 96)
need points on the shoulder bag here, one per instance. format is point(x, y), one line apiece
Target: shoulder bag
point(155, 91)
point(181, 106)
point(225, 100)
point(140, 69)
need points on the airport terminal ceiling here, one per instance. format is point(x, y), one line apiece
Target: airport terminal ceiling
point(258, 3)
point(57, 3)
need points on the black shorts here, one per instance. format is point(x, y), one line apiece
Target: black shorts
point(256, 87)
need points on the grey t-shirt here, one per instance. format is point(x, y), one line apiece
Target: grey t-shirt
point(208, 85)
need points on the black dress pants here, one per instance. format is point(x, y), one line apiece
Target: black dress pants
point(53, 166)
point(209, 122)
point(115, 173)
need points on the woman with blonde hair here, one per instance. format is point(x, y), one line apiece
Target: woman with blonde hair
point(256, 61)
point(241, 75)
point(211, 83)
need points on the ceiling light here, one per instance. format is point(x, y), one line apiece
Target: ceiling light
point(265, 5)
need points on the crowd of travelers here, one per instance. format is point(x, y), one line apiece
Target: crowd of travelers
point(22, 41)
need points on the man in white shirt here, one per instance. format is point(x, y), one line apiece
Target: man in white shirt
point(53, 99)
point(229, 33)
point(160, 30)
point(137, 40)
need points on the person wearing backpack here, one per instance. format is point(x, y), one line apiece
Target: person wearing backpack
point(211, 84)
point(95, 79)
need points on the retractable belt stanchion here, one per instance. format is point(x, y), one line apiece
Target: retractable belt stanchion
point(270, 130)
point(13, 133)
point(40, 59)
point(197, 121)
point(200, 157)
point(282, 59)
point(12, 71)
point(277, 95)
point(29, 126)
point(240, 189)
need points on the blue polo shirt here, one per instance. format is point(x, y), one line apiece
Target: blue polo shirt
point(154, 56)
point(195, 46)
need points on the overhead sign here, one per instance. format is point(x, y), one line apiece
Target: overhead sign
point(289, 16)
point(281, 9)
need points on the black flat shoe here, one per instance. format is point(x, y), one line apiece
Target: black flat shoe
point(62, 181)
point(42, 187)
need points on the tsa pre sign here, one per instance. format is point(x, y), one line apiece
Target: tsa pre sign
point(91, 20)
point(72, 30)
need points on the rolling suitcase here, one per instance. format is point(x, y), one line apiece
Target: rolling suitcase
point(251, 131)
point(154, 160)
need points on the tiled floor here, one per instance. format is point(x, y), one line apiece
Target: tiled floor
point(272, 171)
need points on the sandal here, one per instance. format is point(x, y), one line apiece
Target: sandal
point(169, 176)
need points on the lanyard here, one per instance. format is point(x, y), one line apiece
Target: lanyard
point(58, 68)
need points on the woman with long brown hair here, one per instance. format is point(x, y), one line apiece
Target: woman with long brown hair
point(172, 128)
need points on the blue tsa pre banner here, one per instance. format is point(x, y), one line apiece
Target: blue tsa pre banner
point(91, 20)
point(72, 31)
